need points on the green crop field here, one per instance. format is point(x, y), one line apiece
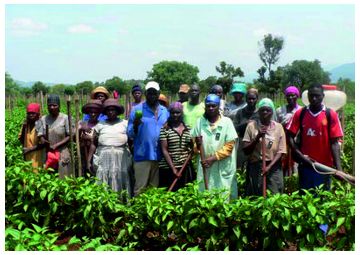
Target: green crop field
point(43, 212)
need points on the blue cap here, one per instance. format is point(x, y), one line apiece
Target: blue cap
point(212, 98)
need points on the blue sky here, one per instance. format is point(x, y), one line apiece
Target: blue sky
point(74, 43)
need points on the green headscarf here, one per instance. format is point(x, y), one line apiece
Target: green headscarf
point(267, 102)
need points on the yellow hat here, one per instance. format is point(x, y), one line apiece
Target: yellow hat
point(184, 88)
point(99, 90)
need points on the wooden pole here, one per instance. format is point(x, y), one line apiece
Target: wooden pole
point(198, 141)
point(264, 164)
point(42, 102)
point(68, 102)
point(77, 135)
point(181, 170)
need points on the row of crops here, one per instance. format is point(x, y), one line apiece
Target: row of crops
point(43, 212)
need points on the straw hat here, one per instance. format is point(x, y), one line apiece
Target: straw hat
point(99, 90)
point(94, 104)
point(115, 103)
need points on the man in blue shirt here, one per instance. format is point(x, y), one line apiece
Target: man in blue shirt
point(145, 132)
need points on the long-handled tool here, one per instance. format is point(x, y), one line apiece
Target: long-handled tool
point(181, 170)
point(323, 169)
point(263, 150)
point(198, 141)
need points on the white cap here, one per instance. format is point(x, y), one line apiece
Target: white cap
point(152, 84)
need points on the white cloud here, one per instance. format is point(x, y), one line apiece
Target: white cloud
point(123, 32)
point(81, 29)
point(25, 27)
point(294, 39)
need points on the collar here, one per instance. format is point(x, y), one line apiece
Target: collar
point(316, 114)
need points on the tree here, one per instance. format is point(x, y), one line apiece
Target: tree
point(301, 73)
point(171, 74)
point(11, 87)
point(349, 86)
point(270, 50)
point(117, 84)
point(206, 84)
point(25, 91)
point(69, 90)
point(228, 72)
point(272, 84)
point(39, 86)
point(58, 89)
point(84, 87)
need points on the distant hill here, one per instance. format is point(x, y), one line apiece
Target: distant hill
point(29, 84)
point(343, 71)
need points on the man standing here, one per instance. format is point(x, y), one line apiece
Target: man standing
point(193, 109)
point(184, 93)
point(319, 133)
point(146, 132)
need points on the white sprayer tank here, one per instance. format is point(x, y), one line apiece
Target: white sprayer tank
point(334, 99)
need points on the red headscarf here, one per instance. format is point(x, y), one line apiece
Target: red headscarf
point(33, 107)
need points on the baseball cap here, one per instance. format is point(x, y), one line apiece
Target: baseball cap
point(152, 84)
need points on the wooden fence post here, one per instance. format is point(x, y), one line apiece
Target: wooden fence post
point(68, 102)
point(77, 135)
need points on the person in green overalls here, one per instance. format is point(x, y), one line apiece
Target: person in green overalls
point(218, 141)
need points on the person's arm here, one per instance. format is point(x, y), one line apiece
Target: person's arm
point(272, 163)
point(249, 147)
point(164, 149)
point(21, 136)
point(34, 148)
point(61, 143)
point(91, 153)
point(335, 150)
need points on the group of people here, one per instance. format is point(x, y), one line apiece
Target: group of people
point(156, 142)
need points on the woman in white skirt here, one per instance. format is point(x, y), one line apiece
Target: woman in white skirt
point(112, 160)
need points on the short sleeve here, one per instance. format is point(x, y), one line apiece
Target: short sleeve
point(39, 127)
point(282, 140)
point(231, 134)
point(293, 125)
point(335, 127)
point(196, 130)
point(248, 132)
point(163, 135)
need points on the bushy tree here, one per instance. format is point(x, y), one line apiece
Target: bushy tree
point(206, 84)
point(228, 72)
point(11, 87)
point(69, 90)
point(301, 73)
point(349, 86)
point(39, 86)
point(84, 87)
point(117, 84)
point(58, 89)
point(171, 74)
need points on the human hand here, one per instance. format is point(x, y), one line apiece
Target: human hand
point(89, 167)
point(176, 174)
point(26, 150)
point(137, 123)
point(208, 161)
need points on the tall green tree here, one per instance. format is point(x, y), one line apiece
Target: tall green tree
point(84, 87)
point(349, 86)
point(301, 73)
point(117, 84)
point(58, 89)
point(171, 74)
point(270, 48)
point(39, 86)
point(228, 72)
point(11, 87)
point(69, 90)
point(206, 84)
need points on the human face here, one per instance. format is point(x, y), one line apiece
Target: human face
point(137, 96)
point(100, 96)
point(183, 96)
point(251, 100)
point(152, 96)
point(176, 114)
point(32, 116)
point(94, 115)
point(195, 92)
point(315, 96)
point(218, 92)
point(212, 109)
point(53, 109)
point(265, 113)
point(291, 98)
point(238, 96)
point(111, 112)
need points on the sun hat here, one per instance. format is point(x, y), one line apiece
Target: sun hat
point(212, 98)
point(94, 104)
point(238, 87)
point(99, 90)
point(184, 88)
point(152, 84)
point(113, 102)
point(163, 98)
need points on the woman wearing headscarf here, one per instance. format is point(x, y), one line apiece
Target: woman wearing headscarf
point(102, 94)
point(283, 116)
point(112, 158)
point(238, 92)
point(218, 141)
point(33, 149)
point(176, 145)
point(86, 130)
point(59, 136)
point(241, 120)
point(274, 135)
point(218, 90)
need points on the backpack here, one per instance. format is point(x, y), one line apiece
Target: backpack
point(298, 138)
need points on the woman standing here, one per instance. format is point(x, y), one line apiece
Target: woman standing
point(218, 141)
point(238, 92)
point(32, 150)
point(176, 145)
point(102, 94)
point(112, 158)
point(86, 130)
point(274, 135)
point(242, 118)
point(59, 134)
point(218, 90)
